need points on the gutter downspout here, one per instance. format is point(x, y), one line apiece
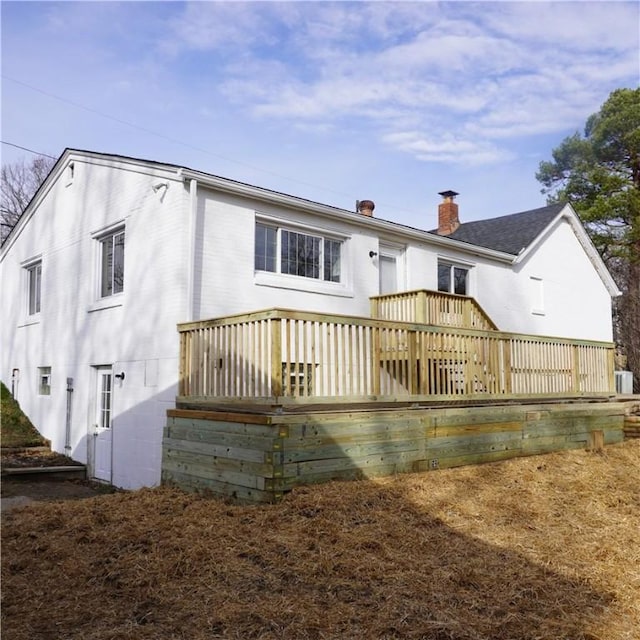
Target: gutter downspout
point(191, 257)
point(67, 430)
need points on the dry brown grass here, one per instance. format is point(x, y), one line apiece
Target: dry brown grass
point(545, 547)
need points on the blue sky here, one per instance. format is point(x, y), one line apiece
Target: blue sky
point(333, 102)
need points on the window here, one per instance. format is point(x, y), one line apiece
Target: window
point(112, 263)
point(453, 278)
point(294, 253)
point(34, 284)
point(44, 381)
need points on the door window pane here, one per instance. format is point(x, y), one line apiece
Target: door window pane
point(105, 401)
point(388, 275)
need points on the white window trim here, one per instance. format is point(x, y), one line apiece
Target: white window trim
point(301, 283)
point(464, 264)
point(26, 266)
point(116, 299)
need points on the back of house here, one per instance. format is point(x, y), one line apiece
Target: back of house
point(113, 252)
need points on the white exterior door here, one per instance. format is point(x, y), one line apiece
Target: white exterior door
point(102, 431)
point(391, 269)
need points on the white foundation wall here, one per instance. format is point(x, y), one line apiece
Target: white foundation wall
point(75, 332)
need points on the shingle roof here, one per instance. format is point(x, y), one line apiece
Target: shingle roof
point(509, 234)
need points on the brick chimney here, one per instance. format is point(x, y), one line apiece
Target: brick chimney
point(448, 220)
point(365, 207)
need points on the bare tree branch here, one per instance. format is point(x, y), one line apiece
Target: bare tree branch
point(19, 181)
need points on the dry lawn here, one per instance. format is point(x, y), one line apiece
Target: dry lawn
point(543, 547)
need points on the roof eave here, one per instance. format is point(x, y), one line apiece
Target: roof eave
point(568, 213)
point(300, 204)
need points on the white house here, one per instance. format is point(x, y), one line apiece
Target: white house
point(113, 252)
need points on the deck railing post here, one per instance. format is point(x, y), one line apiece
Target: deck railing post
point(373, 307)
point(466, 313)
point(575, 369)
point(507, 366)
point(412, 361)
point(182, 381)
point(611, 376)
point(376, 370)
point(276, 357)
point(421, 307)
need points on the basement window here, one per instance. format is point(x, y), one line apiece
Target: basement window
point(44, 381)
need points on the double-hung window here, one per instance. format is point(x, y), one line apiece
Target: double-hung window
point(294, 252)
point(34, 287)
point(453, 278)
point(112, 263)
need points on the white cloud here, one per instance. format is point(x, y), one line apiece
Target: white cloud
point(447, 148)
point(489, 71)
point(452, 84)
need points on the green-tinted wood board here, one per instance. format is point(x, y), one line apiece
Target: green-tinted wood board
point(223, 438)
point(193, 483)
point(219, 451)
point(214, 472)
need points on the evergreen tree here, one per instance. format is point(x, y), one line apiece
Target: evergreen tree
point(599, 174)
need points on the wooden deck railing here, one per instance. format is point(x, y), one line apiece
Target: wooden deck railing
point(431, 307)
point(293, 356)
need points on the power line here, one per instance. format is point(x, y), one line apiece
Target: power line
point(179, 142)
point(164, 137)
point(37, 153)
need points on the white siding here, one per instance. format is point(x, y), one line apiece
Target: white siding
point(226, 282)
point(75, 331)
point(576, 301)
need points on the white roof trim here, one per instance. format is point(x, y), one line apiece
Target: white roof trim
point(300, 204)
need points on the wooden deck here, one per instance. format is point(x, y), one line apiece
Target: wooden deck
point(284, 356)
point(278, 398)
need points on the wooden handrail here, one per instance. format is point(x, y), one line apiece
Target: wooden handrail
point(299, 355)
point(431, 307)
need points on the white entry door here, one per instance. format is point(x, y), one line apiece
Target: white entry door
point(391, 269)
point(102, 431)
